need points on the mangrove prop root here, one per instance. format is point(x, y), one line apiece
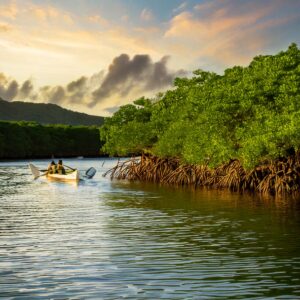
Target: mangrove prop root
point(278, 177)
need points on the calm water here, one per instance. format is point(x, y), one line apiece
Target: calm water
point(121, 240)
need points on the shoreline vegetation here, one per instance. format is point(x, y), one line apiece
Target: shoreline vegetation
point(31, 140)
point(239, 130)
point(279, 177)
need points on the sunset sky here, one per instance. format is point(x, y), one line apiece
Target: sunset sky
point(95, 55)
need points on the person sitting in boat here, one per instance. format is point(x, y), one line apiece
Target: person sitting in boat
point(60, 168)
point(51, 168)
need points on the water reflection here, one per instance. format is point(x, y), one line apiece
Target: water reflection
point(121, 240)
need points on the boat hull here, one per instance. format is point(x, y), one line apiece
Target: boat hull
point(74, 176)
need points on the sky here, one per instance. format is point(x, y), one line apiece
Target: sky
point(94, 55)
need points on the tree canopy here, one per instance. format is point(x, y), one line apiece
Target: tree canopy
point(249, 113)
point(30, 139)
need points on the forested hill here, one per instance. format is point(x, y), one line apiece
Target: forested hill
point(45, 114)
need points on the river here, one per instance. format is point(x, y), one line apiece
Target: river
point(105, 239)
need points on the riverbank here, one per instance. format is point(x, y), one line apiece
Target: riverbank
point(278, 177)
point(24, 140)
point(238, 131)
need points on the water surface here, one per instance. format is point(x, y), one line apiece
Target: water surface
point(120, 240)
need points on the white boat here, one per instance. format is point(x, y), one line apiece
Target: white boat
point(73, 175)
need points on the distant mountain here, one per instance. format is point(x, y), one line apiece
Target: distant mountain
point(44, 114)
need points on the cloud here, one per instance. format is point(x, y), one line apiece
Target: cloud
point(9, 11)
point(25, 90)
point(228, 32)
point(125, 80)
point(40, 42)
point(56, 95)
point(55, 44)
point(138, 74)
point(48, 14)
point(205, 6)
point(181, 7)
point(77, 84)
point(77, 92)
point(77, 89)
point(146, 15)
point(5, 27)
point(97, 19)
point(8, 87)
point(10, 91)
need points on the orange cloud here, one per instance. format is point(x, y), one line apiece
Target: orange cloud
point(223, 34)
point(97, 19)
point(4, 27)
point(219, 22)
point(31, 11)
point(9, 11)
point(52, 45)
point(48, 13)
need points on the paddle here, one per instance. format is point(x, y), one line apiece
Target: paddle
point(69, 167)
point(41, 175)
point(36, 172)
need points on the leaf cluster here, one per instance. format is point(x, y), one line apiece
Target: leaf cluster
point(249, 113)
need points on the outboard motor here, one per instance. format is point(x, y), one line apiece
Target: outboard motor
point(90, 173)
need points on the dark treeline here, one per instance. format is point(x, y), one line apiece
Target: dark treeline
point(30, 139)
point(249, 116)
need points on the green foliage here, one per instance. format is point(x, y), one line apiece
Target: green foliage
point(249, 113)
point(129, 131)
point(30, 139)
point(172, 141)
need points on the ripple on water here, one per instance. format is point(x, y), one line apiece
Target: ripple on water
point(114, 240)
